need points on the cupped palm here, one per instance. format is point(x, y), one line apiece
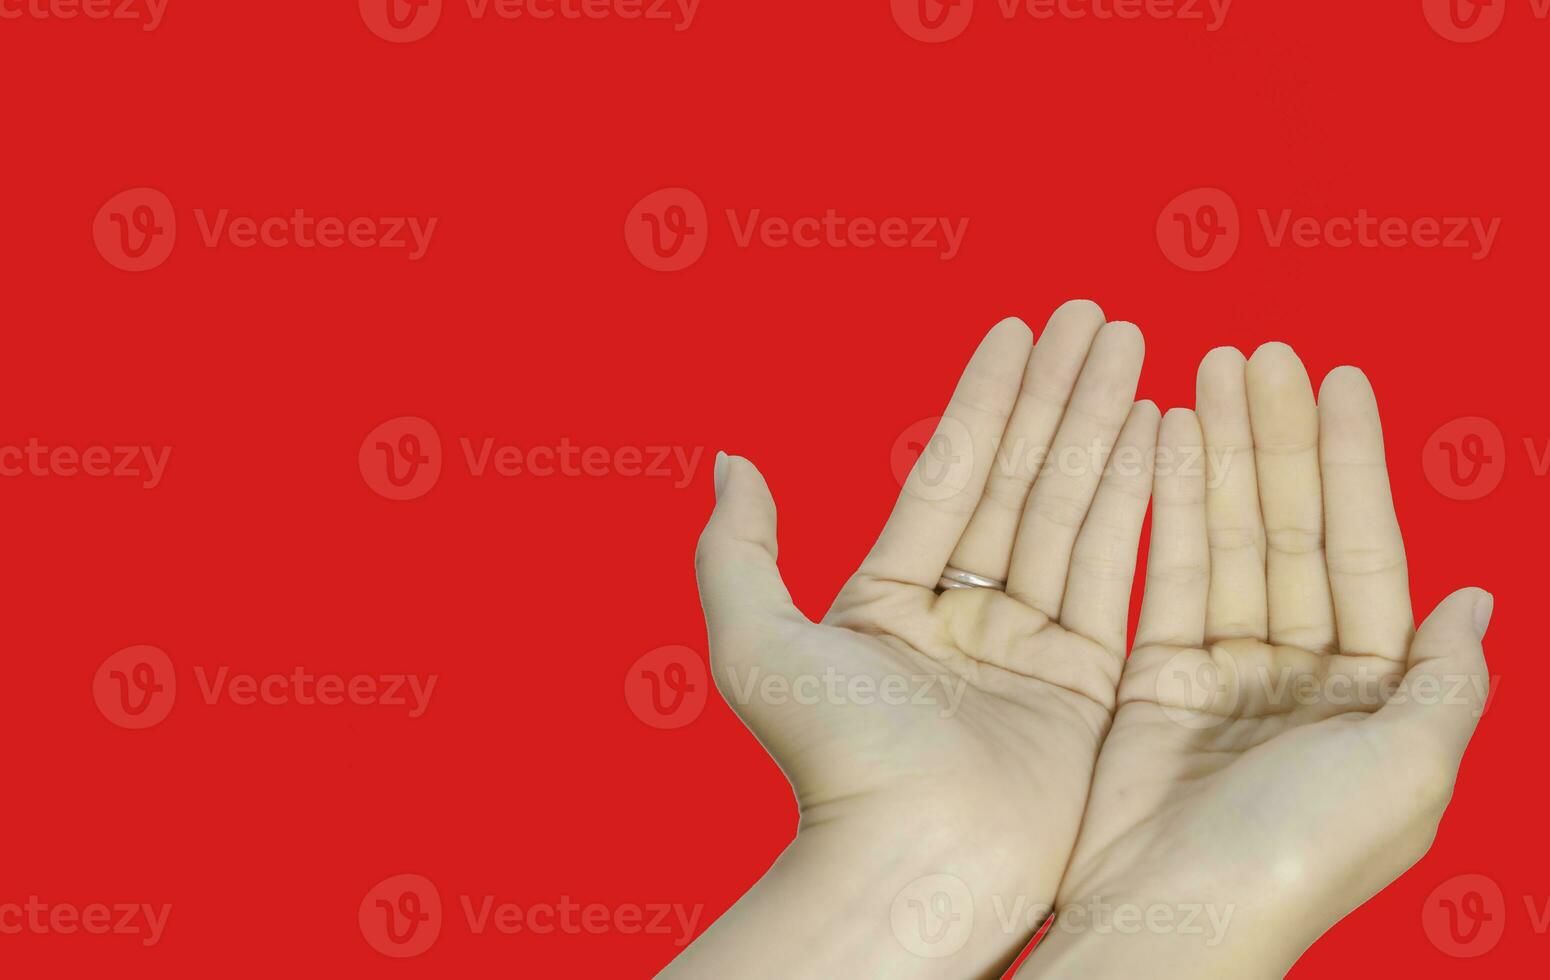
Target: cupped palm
point(1285, 741)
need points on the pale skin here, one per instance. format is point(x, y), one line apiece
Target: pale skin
point(1220, 784)
point(946, 754)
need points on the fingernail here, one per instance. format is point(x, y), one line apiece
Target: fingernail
point(719, 474)
point(1483, 607)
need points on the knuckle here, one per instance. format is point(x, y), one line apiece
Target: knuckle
point(1295, 540)
point(1063, 512)
point(1365, 561)
point(1235, 538)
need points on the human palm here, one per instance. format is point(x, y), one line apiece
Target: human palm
point(967, 714)
point(1285, 741)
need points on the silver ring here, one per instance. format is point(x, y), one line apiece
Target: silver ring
point(957, 578)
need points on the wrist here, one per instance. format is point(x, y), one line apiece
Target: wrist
point(1101, 936)
point(849, 901)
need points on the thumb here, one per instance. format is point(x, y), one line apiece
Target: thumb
point(740, 585)
point(1446, 680)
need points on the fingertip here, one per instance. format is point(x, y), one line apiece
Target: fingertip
point(1123, 335)
point(1485, 605)
point(719, 472)
point(1079, 310)
point(740, 470)
point(1346, 382)
point(1181, 426)
point(1073, 325)
point(1140, 424)
point(1473, 604)
point(1010, 330)
point(1280, 396)
point(1221, 359)
point(1273, 357)
point(1220, 375)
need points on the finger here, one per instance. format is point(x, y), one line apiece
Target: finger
point(1235, 604)
point(1446, 682)
point(1364, 551)
point(1285, 423)
point(986, 546)
point(1069, 475)
point(949, 477)
point(1103, 561)
point(1173, 604)
point(740, 584)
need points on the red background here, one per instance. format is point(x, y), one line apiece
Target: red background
point(529, 321)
